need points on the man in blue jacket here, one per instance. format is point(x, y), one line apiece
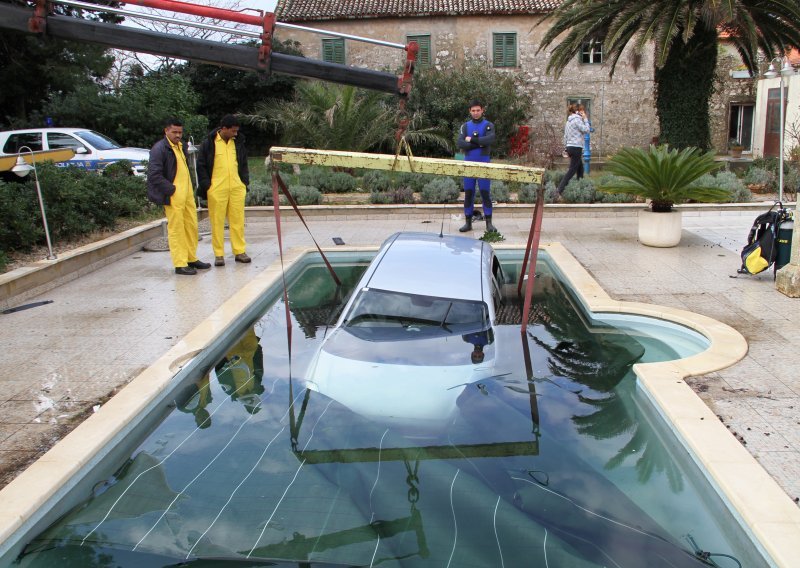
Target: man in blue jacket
point(476, 138)
point(169, 184)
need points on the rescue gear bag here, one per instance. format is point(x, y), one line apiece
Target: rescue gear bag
point(761, 248)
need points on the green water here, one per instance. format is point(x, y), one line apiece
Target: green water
point(557, 461)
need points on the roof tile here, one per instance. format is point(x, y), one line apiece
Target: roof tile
point(314, 10)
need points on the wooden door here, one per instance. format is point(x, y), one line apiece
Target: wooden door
point(772, 130)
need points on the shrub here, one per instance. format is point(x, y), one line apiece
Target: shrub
point(396, 195)
point(3, 261)
point(527, 193)
point(760, 176)
point(580, 191)
point(314, 176)
point(440, 190)
point(305, 195)
point(376, 181)
point(380, 197)
point(500, 193)
point(791, 179)
point(339, 182)
point(729, 182)
point(259, 193)
point(415, 182)
point(19, 208)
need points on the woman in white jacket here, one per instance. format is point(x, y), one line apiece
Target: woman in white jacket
point(574, 130)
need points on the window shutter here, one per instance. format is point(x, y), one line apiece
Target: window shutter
point(424, 56)
point(333, 50)
point(504, 50)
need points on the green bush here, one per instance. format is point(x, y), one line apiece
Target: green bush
point(22, 224)
point(579, 191)
point(376, 181)
point(3, 261)
point(756, 175)
point(730, 182)
point(440, 190)
point(305, 195)
point(259, 193)
point(314, 176)
point(395, 196)
point(499, 192)
point(339, 182)
point(415, 182)
point(791, 180)
point(527, 193)
point(76, 203)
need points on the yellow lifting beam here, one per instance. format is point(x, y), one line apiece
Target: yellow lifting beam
point(402, 163)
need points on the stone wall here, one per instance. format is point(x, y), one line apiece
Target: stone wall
point(622, 106)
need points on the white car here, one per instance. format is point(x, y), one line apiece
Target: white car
point(93, 151)
point(417, 329)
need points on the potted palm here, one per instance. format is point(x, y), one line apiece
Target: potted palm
point(664, 177)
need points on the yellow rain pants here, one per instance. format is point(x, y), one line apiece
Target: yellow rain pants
point(226, 199)
point(182, 215)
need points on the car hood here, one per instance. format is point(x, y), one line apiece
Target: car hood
point(394, 390)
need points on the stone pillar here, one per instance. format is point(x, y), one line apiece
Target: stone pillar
point(788, 278)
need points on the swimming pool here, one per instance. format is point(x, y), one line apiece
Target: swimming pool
point(558, 461)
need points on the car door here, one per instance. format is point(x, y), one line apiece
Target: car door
point(83, 152)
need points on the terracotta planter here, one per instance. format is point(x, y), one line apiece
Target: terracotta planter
point(736, 152)
point(660, 229)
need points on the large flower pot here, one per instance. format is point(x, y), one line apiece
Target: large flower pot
point(660, 229)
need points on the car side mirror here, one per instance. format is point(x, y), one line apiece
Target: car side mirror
point(81, 150)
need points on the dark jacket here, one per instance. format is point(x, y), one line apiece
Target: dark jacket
point(205, 162)
point(161, 171)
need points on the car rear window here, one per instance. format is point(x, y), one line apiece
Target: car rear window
point(32, 140)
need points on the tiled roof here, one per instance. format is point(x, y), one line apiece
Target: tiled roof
point(314, 10)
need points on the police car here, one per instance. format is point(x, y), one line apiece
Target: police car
point(93, 151)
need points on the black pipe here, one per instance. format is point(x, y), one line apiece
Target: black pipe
point(204, 51)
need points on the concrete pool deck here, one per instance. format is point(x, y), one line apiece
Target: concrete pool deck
point(108, 325)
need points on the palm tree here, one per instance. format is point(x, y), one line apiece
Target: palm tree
point(335, 117)
point(684, 35)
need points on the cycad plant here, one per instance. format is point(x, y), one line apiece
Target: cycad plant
point(335, 117)
point(663, 176)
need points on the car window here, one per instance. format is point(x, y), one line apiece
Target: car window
point(400, 311)
point(57, 140)
point(99, 141)
point(32, 140)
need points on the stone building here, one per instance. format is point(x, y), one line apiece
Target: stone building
point(506, 35)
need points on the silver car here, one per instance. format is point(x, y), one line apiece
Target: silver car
point(417, 329)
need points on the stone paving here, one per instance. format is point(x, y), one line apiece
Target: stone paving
point(102, 329)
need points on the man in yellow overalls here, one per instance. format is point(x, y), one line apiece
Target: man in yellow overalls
point(222, 179)
point(169, 184)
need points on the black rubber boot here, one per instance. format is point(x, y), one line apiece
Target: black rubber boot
point(489, 226)
point(467, 225)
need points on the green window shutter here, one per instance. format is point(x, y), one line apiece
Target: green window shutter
point(333, 50)
point(504, 50)
point(424, 56)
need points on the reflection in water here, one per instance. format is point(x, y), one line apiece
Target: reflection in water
point(531, 471)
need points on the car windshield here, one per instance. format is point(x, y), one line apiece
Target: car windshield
point(381, 315)
point(97, 140)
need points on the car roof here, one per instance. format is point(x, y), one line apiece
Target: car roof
point(48, 129)
point(428, 264)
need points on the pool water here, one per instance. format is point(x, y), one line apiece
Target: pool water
point(558, 461)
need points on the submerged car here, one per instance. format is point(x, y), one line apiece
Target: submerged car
point(93, 151)
point(418, 328)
